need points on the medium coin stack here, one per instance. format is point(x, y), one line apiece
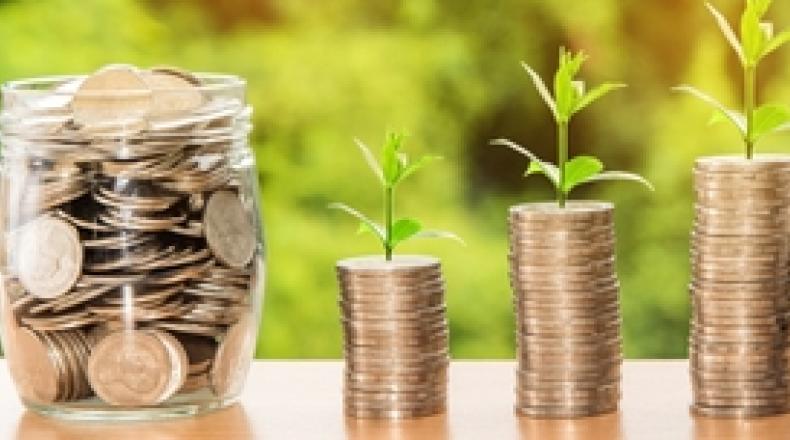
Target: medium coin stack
point(562, 271)
point(130, 236)
point(739, 260)
point(396, 336)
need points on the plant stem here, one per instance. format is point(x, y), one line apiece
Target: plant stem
point(562, 153)
point(388, 208)
point(749, 92)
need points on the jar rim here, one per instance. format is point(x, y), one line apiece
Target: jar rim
point(210, 82)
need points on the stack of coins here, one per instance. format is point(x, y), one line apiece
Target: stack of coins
point(739, 287)
point(130, 236)
point(562, 272)
point(396, 337)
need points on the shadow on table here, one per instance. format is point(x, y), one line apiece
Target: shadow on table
point(608, 427)
point(230, 424)
point(765, 428)
point(432, 428)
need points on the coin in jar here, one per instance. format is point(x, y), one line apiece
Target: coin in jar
point(233, 358)
point(228, 229)
point(49, 257)
point(137, 367)
point(174, 92)
point(116, 93)
point(36, 373)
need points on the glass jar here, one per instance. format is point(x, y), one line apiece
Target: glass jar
point(132, 261)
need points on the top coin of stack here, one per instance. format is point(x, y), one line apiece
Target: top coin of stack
point(130, 235)
point(396, 336)
point(568, 317)
point(739, 287)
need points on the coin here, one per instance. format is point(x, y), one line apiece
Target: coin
point(233, 359)
point(35, 373)
point(173, 92)
point(114, 94)
point(49, 257)
point(138, 367)
point(228, 230)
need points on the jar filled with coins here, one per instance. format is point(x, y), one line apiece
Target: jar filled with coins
point(131, 260)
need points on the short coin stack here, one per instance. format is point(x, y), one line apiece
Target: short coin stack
point(739, 287)
point(396, 336)
point(130, 237)
point(562, 273)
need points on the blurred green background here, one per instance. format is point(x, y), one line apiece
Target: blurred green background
point(446, 71)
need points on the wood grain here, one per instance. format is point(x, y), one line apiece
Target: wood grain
point(301, 400)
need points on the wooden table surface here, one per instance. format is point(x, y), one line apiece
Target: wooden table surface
point(302, 400)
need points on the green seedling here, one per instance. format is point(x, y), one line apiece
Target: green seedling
point(570, 97)
point(757, 41)
point(395, 167)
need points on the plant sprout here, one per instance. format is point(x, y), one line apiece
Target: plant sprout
point(570, 97)
point(394, 169)
point(757, 41)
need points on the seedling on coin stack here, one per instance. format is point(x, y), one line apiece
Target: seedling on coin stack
point(738, 344)
point(393, 311)
point(570, 97)
point(394, 169)
point(562, 272)
point(757, 41)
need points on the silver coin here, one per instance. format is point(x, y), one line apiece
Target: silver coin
point(49, 257)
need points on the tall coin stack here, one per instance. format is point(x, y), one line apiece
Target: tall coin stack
point(396, 336)
point(562, 271)
point(739, 287)
point(130, 240)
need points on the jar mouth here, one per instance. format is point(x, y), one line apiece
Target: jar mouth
point(211, 83)
point(63, 110)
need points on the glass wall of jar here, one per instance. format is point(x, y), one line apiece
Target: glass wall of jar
point(132, 261)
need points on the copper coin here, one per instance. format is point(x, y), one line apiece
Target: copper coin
point(98, 100)
point(736, 411)
point(137, 367)
point(35, 372)
point(233, 358)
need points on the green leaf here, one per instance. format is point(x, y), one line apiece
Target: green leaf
point(738, 119)
point(371, 160)
point(403, 230)
point(373, 228)
point(596, 94)
point(542, 89)
point(371, 225)
point(439, 234)
point(548, 169)
point(728, 32)
point(777, 42)
point(534, 168)
point(717, 117)
point(621, 175)
point(390, 162)
point(579, 169)
point(566, 95)
point(753, 40)
point(418, 165)
point(760, 7)
point(768, 119)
